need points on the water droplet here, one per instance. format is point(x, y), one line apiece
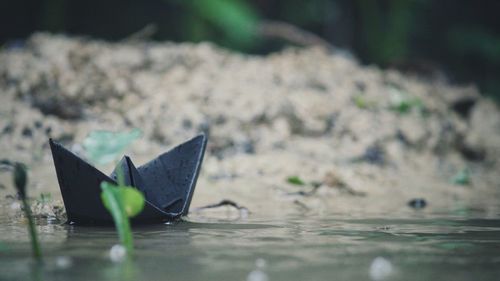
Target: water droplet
point(117, 253)
point(260, 263)
point(63, 262)
point(257, 275)
point(380, 269)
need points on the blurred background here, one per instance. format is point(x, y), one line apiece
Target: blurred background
point(458, 40)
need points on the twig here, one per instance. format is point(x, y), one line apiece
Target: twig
point(224, 202)
point(291, 33)
point(142, 34)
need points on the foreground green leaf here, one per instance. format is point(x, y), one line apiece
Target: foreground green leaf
point(131, 198)
point(122, 202)
point(20, 178)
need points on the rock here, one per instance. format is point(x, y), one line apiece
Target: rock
point(417, 203)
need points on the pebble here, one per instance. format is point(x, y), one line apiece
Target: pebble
point(374, 155)
point(15, 206)
point(417, 203)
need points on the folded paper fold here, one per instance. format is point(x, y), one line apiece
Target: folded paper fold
point(167, 182)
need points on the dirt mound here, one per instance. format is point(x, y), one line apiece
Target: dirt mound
point(358, 137)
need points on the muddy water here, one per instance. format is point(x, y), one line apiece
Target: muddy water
point(333, 247)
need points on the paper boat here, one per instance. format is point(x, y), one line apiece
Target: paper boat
point(168, 183)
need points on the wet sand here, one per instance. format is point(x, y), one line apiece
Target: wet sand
point(364, 139)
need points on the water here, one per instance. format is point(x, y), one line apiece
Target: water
point(331, 247)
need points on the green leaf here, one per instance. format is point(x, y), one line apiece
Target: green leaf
point(103, 147)
point(295, 180)
point(235, 18)
point(130, 199)
point(362, 103)
point(122, 202)
point(470, 41)
point(45, 197)
point(20, 179)
point(403, 103)
point(133, 201)
point(462, 177)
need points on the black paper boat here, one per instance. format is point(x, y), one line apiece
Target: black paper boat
point(167, 182)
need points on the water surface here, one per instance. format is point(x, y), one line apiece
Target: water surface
point(331, 247)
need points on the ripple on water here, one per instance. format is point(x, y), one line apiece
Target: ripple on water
point(293, 248)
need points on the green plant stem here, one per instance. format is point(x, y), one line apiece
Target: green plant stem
point(120, 218)
point(37, 254)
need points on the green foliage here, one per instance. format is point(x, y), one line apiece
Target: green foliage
point(295, 180)
point(103, 147)
point(462, 177)
point(235, 18)
point(386, 28)
point(20, 179)
point(131, 198)
point(45, 198)
point(307, 13)
point(123, 202)
point(361, 102)
point(473, 41)
point(403, 103)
